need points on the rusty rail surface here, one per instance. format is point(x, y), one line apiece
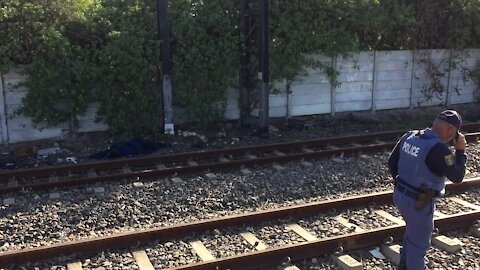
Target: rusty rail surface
point(121, 163)
point(127, 239)
point(327, 245)
point(213, 166)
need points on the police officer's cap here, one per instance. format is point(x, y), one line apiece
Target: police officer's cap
point(452, 117)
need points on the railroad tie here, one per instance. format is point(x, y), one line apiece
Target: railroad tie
point(278, 167)
point(465, 203)
point(278, 153)
point(302, 232)
point(74, 266)
point(138, 184)
point(250, 156)
point(245, 171)
point(337, 160)
point(12, 183)
point(332, 147)
point(443, 242)
point(306, 164)
point(53, 178)
point(259, 245)
point(307, 150)
point(365, 156)
point(347, 262)
point(388, 216)
point(222, 159)
point(54, 195)
point(177, 180)
point(161, 166)
point(356, 145)
point(392, 252)
point(142, 260)
point(192, 163)
point(99, 190)
point(8, 201)
point(347, 224)
point(202, 251)
point(126, 170)
point(211, 175)
point(254, 241)
point(292, 267)
point(439, 214)
point(451, 245)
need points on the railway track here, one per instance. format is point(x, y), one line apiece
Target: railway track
point(185, 163)
point(297, 220)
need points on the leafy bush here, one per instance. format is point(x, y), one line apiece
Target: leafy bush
point(205, 55)
point(40, 35)
point(81, 51)
point(127, 68)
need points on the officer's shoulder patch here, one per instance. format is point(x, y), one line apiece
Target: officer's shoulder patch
point(449, 159)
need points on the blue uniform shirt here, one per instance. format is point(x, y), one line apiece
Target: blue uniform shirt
point(420, 157)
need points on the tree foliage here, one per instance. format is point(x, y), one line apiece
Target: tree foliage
point(76, 52)
point(205, 55)
point(127, 68)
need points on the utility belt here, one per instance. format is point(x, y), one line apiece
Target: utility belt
point(422, 196)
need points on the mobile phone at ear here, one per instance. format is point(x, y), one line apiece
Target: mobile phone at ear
point(455, 139)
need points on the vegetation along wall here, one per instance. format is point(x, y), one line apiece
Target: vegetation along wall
point(86, 65)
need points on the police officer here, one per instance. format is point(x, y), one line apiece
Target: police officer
point(420, 163)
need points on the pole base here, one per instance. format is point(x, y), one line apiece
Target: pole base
point(169, 129)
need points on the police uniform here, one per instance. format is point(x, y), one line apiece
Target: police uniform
point(421, 161)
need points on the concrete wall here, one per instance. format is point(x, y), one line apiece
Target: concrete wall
point(376, 81)
point(18, 128)
point(369, 81)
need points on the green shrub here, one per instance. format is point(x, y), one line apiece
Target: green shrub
point(127, 67)
point(81, 51)
point(205, 55)
point(41, 37)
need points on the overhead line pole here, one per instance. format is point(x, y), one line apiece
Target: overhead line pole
point(164, 35)
point(264, 73)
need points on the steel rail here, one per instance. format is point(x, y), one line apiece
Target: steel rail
point(218, 166)
point(275, 256)
point(116, 164)
point(126, 239)
point(120, 163)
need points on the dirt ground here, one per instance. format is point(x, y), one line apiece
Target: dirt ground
point(193, 137)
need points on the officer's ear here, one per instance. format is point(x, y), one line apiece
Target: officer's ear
point(452, 131)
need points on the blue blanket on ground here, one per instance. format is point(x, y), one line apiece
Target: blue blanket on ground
point(133, 147)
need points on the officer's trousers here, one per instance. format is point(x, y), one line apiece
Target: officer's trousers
point(418, 232)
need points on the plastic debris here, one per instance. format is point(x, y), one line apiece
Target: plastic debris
point(194, 134)
point(377, 254)
point(48, 151)
point(71, 159)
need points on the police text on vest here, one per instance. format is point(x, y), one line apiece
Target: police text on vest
point(410, 149)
